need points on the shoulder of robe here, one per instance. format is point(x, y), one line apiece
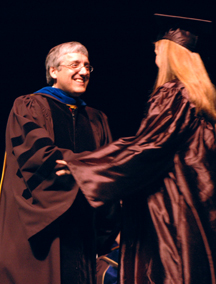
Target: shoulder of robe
point(169, 97)
point(31, 99)
point(34, 107)
point(32, 102)
point(170, 90)
point(172, 87)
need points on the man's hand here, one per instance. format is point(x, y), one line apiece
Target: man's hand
point(65, 170)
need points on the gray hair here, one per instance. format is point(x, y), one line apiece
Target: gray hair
point(53, 58)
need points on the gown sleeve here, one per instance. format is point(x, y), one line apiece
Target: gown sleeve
point(41, 195)
point(132, 163)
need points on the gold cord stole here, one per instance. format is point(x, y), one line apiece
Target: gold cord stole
point(3, 172)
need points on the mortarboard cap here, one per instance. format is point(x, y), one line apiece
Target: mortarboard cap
point(182, 30)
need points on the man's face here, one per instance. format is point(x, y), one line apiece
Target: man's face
point(69, 77)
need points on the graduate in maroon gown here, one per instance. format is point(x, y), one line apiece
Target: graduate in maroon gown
point(165, 175)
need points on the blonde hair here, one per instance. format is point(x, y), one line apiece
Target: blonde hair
point(178, 62)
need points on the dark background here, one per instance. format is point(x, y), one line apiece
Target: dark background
point(118, 35)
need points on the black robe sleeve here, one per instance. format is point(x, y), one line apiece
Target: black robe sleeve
point(41, 195)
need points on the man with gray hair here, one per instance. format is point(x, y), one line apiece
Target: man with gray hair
point(47, 228)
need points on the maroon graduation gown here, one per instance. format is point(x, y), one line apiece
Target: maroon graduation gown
point(166, 177)
point(46, 225)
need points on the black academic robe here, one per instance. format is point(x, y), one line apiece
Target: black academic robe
point(47, 231)
point(166, 177)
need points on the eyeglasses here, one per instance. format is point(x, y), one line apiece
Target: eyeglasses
point(78, 67)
